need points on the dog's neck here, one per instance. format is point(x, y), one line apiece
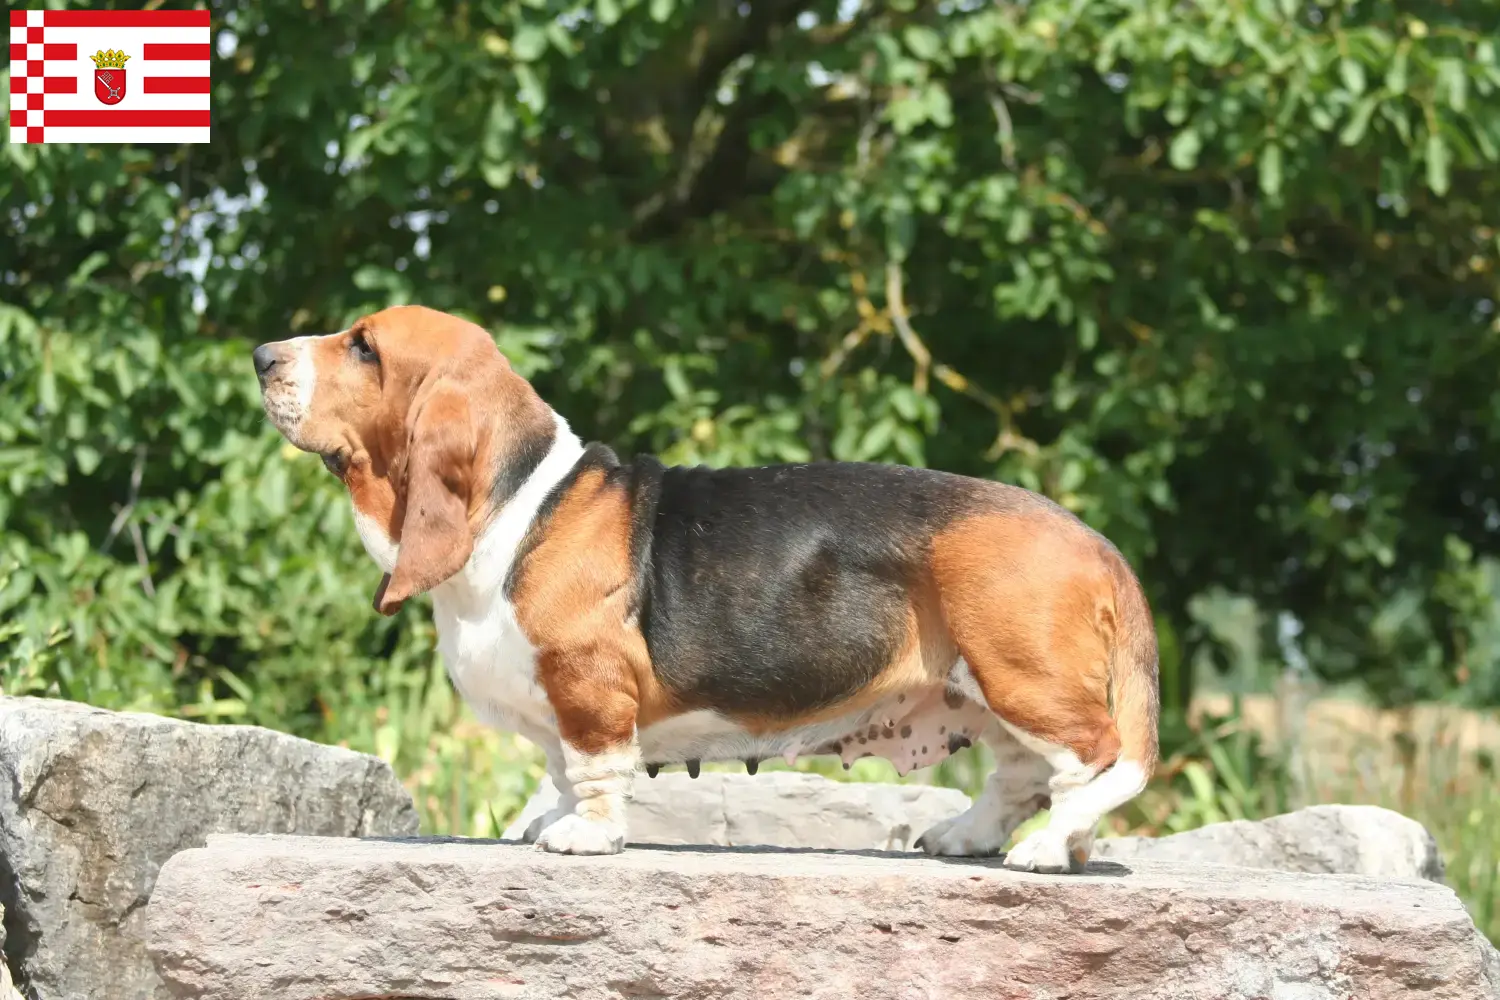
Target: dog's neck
point(482, 580)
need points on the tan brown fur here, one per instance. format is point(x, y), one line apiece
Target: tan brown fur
point(434, 420)
point(1135, 694)
point(573, 600)
point(1030, 599)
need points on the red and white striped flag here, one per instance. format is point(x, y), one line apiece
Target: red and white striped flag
point(109, 75)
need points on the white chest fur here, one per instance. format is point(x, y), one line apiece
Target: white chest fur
point(493, 666)
point(487, 654)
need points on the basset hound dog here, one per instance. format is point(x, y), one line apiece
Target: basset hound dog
point(619, 613)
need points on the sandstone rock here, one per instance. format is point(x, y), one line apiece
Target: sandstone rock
point(777, 809)
point(92, 802)
point(284, 918)
point(1350, 840)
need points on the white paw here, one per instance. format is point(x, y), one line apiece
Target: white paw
point(546, 819)
point(575, 835)
point(972, 834)
point(1048, 853)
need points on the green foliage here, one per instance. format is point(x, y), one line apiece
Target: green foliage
point(1222, 771)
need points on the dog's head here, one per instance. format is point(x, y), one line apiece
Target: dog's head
point(422, 418)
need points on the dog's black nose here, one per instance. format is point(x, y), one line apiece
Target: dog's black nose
point(264, 358)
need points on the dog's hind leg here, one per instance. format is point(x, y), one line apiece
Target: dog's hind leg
point(1057, 641)
point(1014, 792)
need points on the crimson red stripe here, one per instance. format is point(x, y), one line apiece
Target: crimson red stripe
point(16, 82)
point(18, 19)
point(127, 119)
point(18, 118)
point(60, 85)
point(60, 50)
point(176, 85)
point(163, 50)
point(17, 52)
point(124, 19)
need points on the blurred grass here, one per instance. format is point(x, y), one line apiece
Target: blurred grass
point(469, 780)
point(1455, 798)
point(465, 778)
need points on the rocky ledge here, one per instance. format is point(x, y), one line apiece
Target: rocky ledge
point(292, 918)
point(92, 802)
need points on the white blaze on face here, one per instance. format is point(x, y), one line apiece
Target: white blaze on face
point(288, 395)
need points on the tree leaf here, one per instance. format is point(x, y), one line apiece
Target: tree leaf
point(1184, 149)
point(1352, 72)
point(676, 379)
point(923, 42)
point(529, 43)
point(1270, 169)
point(1359, 120)
point(1395, 76)
point(87, 458)
point(1454, 78)
point(1439, 160)
point(876, 439)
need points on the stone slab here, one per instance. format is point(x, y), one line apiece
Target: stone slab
point(256, 918)
point(775, 809)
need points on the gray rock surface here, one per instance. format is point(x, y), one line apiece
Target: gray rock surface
point(777, 809)
point(790, 809)
point(282, 918)
point(8, 989)
point(93, 802)
point(1349, 840)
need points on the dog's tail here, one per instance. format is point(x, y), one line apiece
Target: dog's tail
point(1133, 673)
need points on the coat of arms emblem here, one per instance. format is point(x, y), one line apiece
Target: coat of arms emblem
point(109, 75)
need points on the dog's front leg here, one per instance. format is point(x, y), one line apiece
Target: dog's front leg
point(598, 786)
point(594, 767)
point(562, 802)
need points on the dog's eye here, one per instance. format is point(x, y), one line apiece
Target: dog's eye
point(362, 349)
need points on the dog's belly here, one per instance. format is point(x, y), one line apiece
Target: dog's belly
point(912, 730)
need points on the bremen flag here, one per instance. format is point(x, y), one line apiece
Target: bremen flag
point(109, 75)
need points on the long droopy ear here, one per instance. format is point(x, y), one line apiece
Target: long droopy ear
point(435, 538)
